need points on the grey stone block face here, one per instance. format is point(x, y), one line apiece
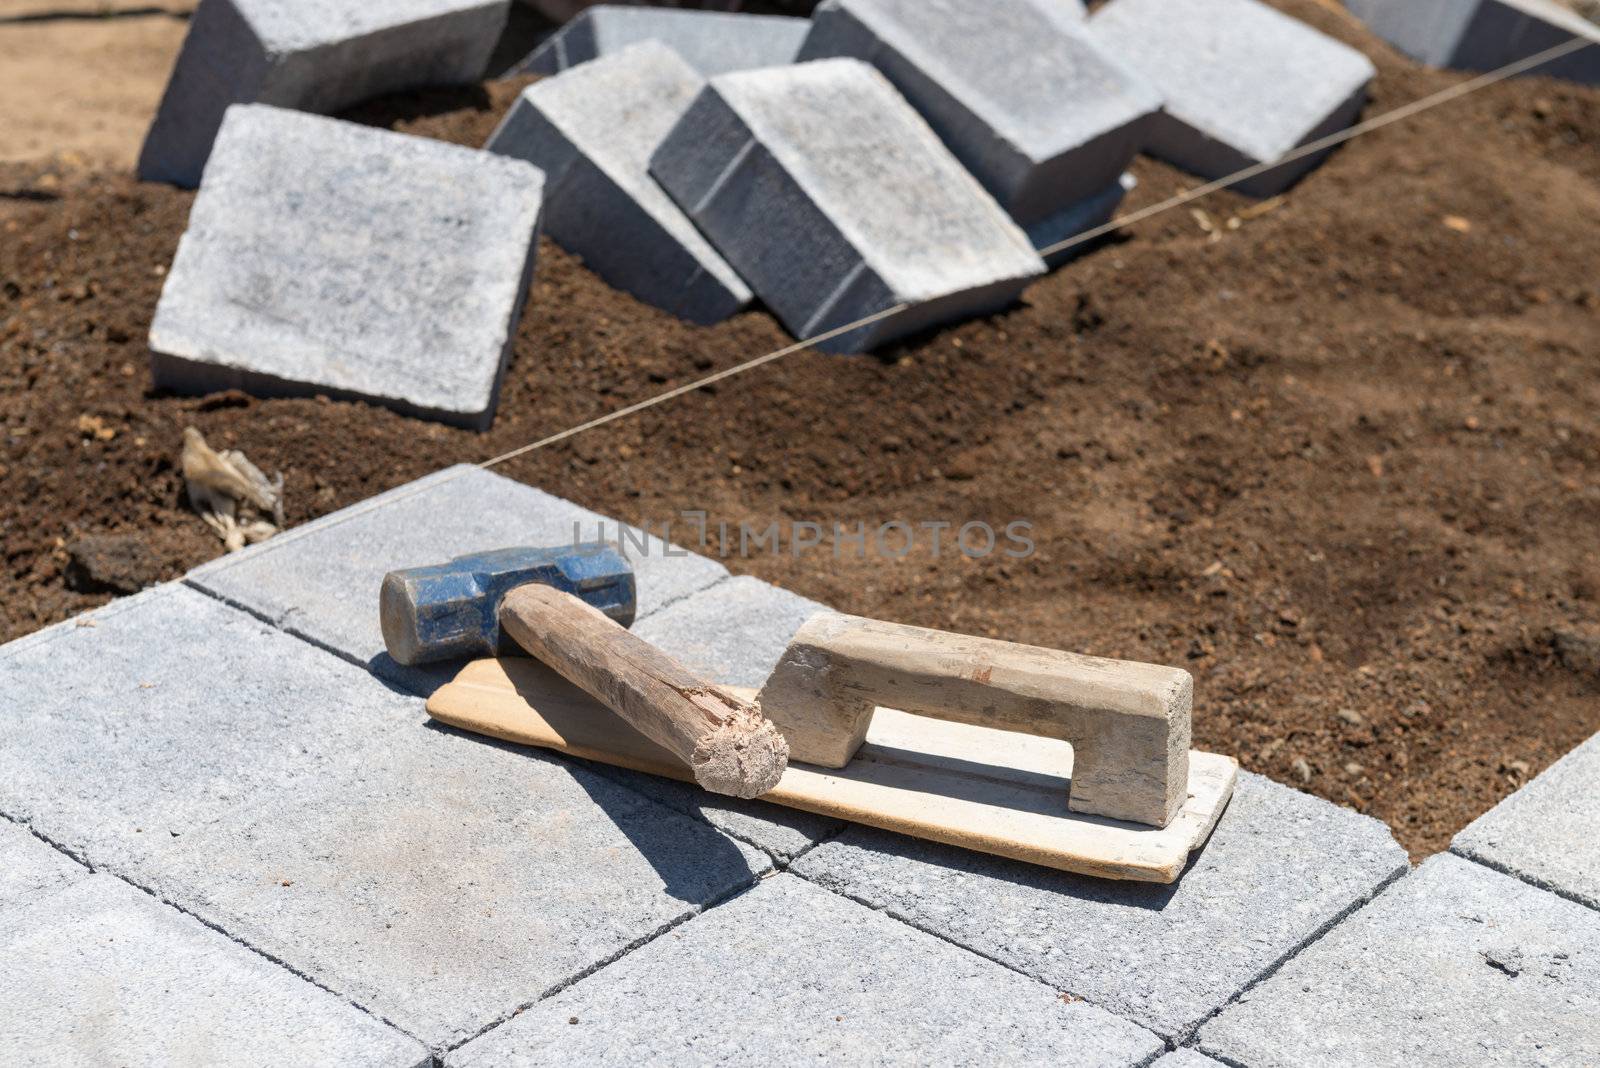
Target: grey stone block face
point(326, 257)
point(713, 42)
point(321, 581)
point(1020, 94)
point(164, 717)
point(1484, 34)
point(1545, 832)
point(447, 880)
point(1454, 965)
point(1186, 1058)
point(789, 973)
point(1279, 869)
point(30, 868)
point(309, 55)
point(733, 633)
point(592, 130)
point(832, 221)
point(103, 974)
point(1244, 84)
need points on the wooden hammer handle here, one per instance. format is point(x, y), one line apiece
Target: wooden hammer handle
point(728, 744)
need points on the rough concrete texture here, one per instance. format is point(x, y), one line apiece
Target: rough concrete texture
point(1484, 34)
point(446, 880)
point(132, 728)
point(326, 257)
point(102, 974)
point(1545, 832)
point(1021, 95)
point(1454, 965)
point(1186, 1058)
point(831, 222)
point(309, 55)
point(1280, 868)
point(30, 868)
point(321, 581)
point(592, 130)
point(713, 42)
point(734, 632)
point(1244, 84)
point(789, 973)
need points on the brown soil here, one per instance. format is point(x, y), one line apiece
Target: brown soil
point(1343, 463)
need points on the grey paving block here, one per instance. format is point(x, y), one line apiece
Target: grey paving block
point(1279, 869)
point(713, 42)
point(734, 632)
point(1022, 96)
point(1085, 215)
point(309, 55)
point(321, 581)
point(789, 973)
point(102, 974)
point(1545, 832)
point(1454, 965)
point(1244, 84)
point(1484, 34)
point(1186, 1058)
point(832, 221)
point(447, 880)
point(166, 716)
point(30, 868)
point(592, 130)
point(326, 257)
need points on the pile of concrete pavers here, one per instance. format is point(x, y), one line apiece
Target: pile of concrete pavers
point(1487, 34)
point(229, 835)
point(881, 168)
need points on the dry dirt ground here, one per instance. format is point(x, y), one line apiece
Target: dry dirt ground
point(1342, 461)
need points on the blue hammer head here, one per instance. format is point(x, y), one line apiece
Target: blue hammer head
point(453, 610)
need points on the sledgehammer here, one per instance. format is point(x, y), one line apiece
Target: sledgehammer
point(569, 607)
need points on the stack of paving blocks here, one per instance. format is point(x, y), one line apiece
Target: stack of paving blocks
point(269, 811)
point(308, 55)
point(1244, 84)
point(1485, 34)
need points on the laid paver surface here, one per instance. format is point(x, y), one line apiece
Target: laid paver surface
point(1243, 83)
point(790, 972)
point(592, 130)
point(30, 868)
point(1186, 1058)
point(310, 55)
point(714, 42)
point(326, 257)
point(444, 881)
point(1279, 869)
point(1545, 832)
point(1454, 965)
point(321, 581)
point(152, 721)
point(101, 973)
point(733, 632)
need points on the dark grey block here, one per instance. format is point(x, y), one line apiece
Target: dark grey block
point(1244, 84)
point(326, 257)
point(833, 221)
point(102, 974)
point(309, 55)
point(321, 581)
point(592, 130)
point(128, 729)
point(789, 973)
point(1281, 868)
point(713, 42)
point(30, 868)
point(1545, 832)
point(443, 881)
point(1454, 965)
point(1022, 96)
point(1485, 34)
